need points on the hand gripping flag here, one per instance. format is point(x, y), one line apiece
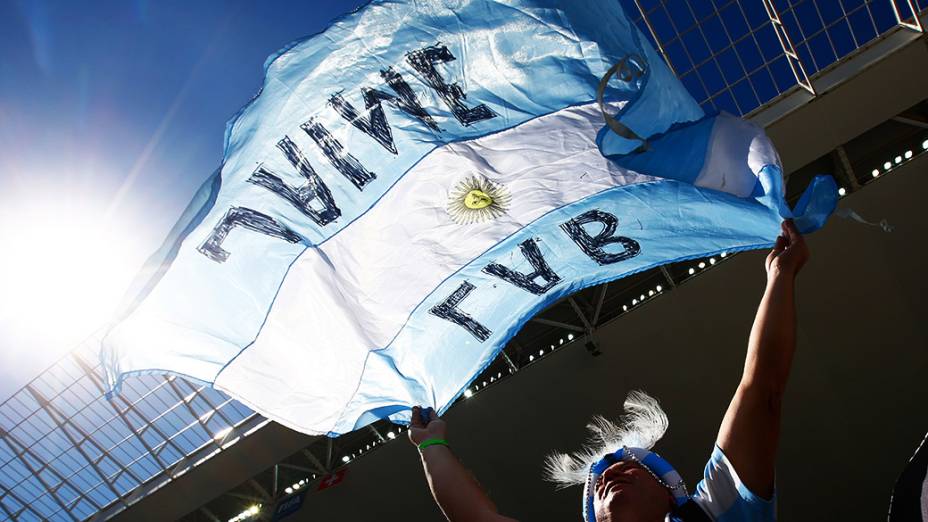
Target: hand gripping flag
point(414, 183)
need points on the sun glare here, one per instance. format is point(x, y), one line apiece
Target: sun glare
point(63, 271)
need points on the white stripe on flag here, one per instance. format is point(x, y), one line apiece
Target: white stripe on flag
point(354, 293)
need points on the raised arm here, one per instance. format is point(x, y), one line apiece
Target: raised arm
point(455, 490)
point(750, 431)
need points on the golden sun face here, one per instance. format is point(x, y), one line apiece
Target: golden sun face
point(476, 199)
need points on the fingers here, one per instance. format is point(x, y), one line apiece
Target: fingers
point(433, 415)
point(416, 421)
point(792, 233)
point(778, 247)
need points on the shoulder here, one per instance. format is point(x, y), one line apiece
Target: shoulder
point(723, 496)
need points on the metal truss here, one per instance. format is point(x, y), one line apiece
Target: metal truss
point(909, 11)
point(67, 453)
point(723, 57)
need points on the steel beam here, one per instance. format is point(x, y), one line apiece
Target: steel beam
point(916, 25)
point(786, 43)
point(574, 328)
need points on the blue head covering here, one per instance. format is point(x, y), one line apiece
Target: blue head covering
point(643, 424)
point(665, 474)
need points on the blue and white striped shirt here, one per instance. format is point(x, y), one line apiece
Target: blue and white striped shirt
point(724, 497)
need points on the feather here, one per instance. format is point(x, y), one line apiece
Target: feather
point(643, 424)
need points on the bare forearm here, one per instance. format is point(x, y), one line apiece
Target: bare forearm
point(750, 430)
point(773, 338)
point(457, 493)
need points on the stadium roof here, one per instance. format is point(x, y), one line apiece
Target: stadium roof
point(68, 453)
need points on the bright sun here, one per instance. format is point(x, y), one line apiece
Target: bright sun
point(63, 271)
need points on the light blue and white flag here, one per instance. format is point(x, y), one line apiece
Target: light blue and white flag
point(414, 183)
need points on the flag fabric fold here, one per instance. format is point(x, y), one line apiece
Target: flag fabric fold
point(414, 183)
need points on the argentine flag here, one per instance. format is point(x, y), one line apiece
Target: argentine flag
point(413, 184)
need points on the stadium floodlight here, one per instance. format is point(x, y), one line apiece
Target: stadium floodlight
point(925, 145)
point(842, 192)
point(468, 394)
point(908, 154)
point(251, 512)
point(660, 288)
point(391, 435)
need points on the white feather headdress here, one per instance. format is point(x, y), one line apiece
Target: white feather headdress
point(643, 424)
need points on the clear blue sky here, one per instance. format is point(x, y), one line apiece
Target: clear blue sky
point(111, 115)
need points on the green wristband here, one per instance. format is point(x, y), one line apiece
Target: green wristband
point(432, 442)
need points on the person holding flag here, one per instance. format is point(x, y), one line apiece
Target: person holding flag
point(623, 479)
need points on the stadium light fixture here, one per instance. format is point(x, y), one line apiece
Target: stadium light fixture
point(468, 394)
point(391, 435)
point(660, 288)
point(925, 145)
point(908, 154)
point(842, 192)
point(251, 512)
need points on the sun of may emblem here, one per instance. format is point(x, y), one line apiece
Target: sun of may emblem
point(476, 199)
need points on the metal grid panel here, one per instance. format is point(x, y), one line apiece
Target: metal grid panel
point(736, 55)
point(67, 453)
point(726, 53)
point(824, 32)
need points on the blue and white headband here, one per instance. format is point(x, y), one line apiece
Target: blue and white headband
point(659, 468)
point(631, 438)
